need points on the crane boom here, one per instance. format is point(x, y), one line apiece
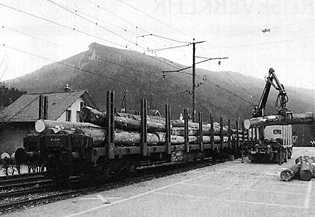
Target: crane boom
point(282, 98)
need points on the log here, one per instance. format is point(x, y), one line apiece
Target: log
point(98, 133)
point(193, 125)
point(193, 130)
point(306, 171)
point(92, 115)
point(92, 130)
point(290, 173)
point(130, 122)
point(124, 121)
point(302, 118)
point(305, 158)
point(133, 138)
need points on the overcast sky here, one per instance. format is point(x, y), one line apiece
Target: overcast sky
point(230, 28)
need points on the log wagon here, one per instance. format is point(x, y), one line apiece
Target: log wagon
point(113, 143)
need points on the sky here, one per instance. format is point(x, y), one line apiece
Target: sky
point(34, 33)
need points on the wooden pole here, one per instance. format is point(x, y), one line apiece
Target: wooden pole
point(229, 134)
point(144, 129)
point(109, 125)
point(40, 107)
point(112, 111)
point(168, 128)
point(186, 130)
point(212, 132)
point(221, 134)
point(200, 132)
point(237, 136)
point(45, 108)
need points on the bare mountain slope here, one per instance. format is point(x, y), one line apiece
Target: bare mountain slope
point(139, 75)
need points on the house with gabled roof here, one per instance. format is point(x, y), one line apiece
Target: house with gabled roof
point(18, 119)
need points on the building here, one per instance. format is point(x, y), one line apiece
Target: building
point(17, 119)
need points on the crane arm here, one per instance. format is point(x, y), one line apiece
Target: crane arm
point(282, 98)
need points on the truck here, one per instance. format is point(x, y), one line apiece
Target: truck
point(271, 143)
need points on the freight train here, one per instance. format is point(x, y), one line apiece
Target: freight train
point(122, 143)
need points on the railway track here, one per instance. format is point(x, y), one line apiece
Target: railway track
point(33, 198)
point(23, 177)
point(36, 195)
point(26, 184)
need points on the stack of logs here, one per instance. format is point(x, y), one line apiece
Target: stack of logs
point(127, 128)
point(304, 169)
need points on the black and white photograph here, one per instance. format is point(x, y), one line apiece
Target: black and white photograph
point(157, 108)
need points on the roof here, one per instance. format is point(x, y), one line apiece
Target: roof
point(25, 108)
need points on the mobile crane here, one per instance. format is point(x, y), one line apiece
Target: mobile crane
point(272, 143)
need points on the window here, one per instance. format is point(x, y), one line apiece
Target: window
point(276, 131)
point(68, 115)
point(78, 116)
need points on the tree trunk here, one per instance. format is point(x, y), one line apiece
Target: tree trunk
point(133, 138)
point(290, 173)
point(194, 131)
point(303, 118)
point(306, 170)
point(123, 121)
point(120, 137)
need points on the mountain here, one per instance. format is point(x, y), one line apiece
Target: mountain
point(137, 75)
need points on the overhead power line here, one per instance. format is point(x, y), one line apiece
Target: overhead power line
point(60, 63)
point(162, 37)
point(70, 28)
point(30, 35)
point(99, 6)
point(59, 24)
point(152, 17)
point(77, 13)
point(79, 69)
point(169, 48)
point(188, 67)
point(104, 60)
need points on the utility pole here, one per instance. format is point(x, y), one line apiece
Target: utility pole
point(193, 43)
point(194, 81)
point(193, 115)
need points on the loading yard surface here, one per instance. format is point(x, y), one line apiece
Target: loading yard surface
point(228, 189)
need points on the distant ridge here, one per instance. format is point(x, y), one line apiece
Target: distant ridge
point(138, 75)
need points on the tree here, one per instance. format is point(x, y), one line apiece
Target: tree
point(9, 95)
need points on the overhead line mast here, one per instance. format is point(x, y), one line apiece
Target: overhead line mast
point(194, 78)
point(193, 43)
